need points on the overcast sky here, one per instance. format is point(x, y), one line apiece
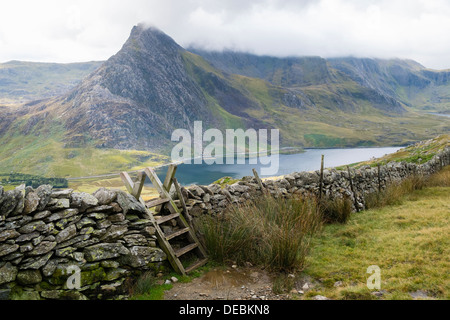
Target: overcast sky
point(83, 30)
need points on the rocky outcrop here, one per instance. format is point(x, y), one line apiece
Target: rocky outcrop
point(139, 96)
point(48, 236)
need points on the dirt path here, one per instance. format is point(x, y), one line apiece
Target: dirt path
point(231, 283)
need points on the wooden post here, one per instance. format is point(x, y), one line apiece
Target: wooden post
point(321, 178)
point(126, 179)
point(258, 180)
point(168, 182)
point(379, 177)
point(139, 185)
point(355, 200)
point(169, 177)
point(183, 203)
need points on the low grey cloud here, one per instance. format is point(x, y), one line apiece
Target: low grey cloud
point(81, 30)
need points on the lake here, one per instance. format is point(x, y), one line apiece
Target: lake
point(308, 161)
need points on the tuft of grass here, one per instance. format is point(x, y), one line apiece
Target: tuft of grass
point(283, 283)
point(440, 179)
point(395, 193)
point(337, 210)
point(225, 181)
point(271, 232)
point(146, 288)
point(144, 284)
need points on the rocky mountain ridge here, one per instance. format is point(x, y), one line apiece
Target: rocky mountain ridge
point(152, 86)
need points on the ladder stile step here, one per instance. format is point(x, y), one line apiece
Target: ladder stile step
point(186, 249)
point(156, 203)
point(196, 265)
point(167, 218)
point(177, 234)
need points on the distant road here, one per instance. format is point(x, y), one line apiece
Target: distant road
point(114, 174)
point(440, 114)
point(92, 177)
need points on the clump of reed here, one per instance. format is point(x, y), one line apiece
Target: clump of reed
point(271, 232)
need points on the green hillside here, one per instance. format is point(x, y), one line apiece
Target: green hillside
point(340, 113)
point(22, 81)
point(44, 152)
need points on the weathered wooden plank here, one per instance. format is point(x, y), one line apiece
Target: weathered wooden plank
point(155, 203)
point(169, 177)
point(165, 245)
point(177, 234)
point(321, 177)
point(173, 207)
point(135, 188)
point(186, 249)
point(138, 185)
point(258, 180)
point(192, 236)
point(164, 219)
point(196, 265)
point(129, 184)
point(168, 181)
point(161, 190)
point(127, 181)
point(183, 203)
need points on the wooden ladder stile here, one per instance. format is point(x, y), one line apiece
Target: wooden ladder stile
point(194, 245)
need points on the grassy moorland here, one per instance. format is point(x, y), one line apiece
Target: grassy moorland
point(408, 240)
point(418, 153)
point(49, 158)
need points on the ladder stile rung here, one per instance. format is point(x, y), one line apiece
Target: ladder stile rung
point(195, 265)
point(177, 234)
point(155, 203)
point(164, 219)
point(186, 249)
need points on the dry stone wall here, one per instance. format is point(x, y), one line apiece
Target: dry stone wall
point(50, 239)
point(214, 199)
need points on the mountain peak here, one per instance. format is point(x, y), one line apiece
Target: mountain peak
point(148, 38)
point(143, 27)
point(143, 91)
